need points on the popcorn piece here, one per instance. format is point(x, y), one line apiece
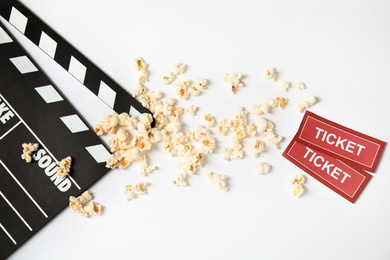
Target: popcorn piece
point(223, 127)
point(301, 85)
point(85, 197)
point(298, 180)
point(281, 101)
point(285, 85)
point(140, 64)
point(191, 109)
point(201, 83)
point(270, 74)
point(180, 180)
point(209, 119)
point(297, 183)
point(129, 192)
point(28, 149)
point(143, 76)
point(139, 89)
point(64, 166)
point(258, 147)
point(306, 104)
point(180, 68)
point(219, 181)
point(192, 90)
point(182, 91)
point(263, 168)
point(234, 80)
point(169, 78)
point(93, 208)
point(298, 191)
point(140, 188)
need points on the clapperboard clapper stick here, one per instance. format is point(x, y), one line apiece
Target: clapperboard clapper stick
point(33, 110)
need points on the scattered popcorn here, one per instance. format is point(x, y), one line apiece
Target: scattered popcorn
point(219, 181)
point(297, 183)
point(209, 119)
point(301, 85)
point(270, 74)
point(285, 85)
point(263, 168)
point(28, 149)
point(84, 205)
point(170, 134)
point(306, 104)
point(64, 166)
point(234, 80)
point(191, 109)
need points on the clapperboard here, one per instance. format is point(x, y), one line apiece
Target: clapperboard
point(32, 110)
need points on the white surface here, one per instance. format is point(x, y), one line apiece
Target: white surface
point(340, 49)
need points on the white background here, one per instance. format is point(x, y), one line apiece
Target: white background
point(340, 49)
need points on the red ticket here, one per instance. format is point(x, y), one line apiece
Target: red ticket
point(340, 142)
point(345, 180)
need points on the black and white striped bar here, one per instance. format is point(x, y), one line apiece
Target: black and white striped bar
point(33, 110)
point(69, 58)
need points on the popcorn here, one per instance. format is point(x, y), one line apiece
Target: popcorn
point(219, 181)
point(281, 101)
point(180, 68)
point(129, 192)
point(182, 91)
point(301, 85)
point(143, 76)
point(201, 83)
point(93, 208)
point(297, 183)
point(270, 74)
point(234, 80)
point(28, 149)
point(306, 104)
point(223, 127)
point(285, 85)
point(193, 91)
point(209, 119)
point(263, 168)
point(139, 89)
point(258, 147)
point(235, 151)
point(64, 166)
point(139, 64)
point(208, 144)
point(84, 205)
point(180, 180)
point(169, 78)
point(191, 109)
point(140, 188)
